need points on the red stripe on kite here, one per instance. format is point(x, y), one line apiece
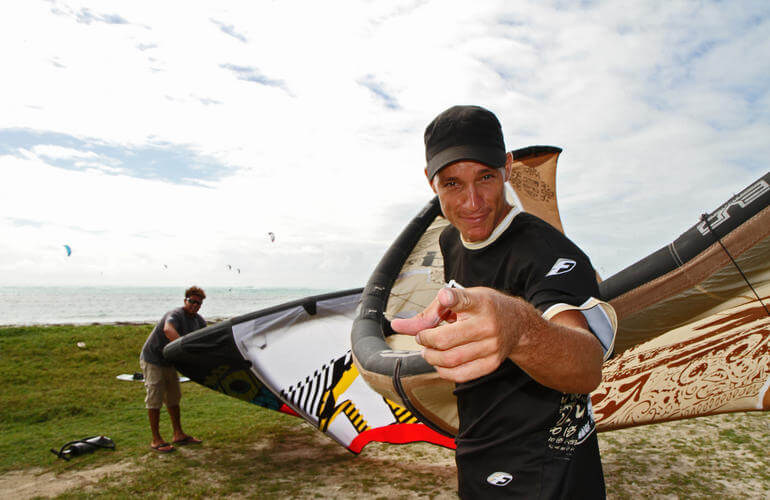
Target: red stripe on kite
point(400, 434)
point(287, 409)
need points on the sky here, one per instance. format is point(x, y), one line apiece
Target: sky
point(163, 141)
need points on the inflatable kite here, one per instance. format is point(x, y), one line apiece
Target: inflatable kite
point(693, 331)
point(295, 358)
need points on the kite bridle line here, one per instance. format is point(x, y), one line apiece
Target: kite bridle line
point(705, 219)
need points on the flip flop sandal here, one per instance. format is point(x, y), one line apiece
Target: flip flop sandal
point(163, 448)
point(188, 440)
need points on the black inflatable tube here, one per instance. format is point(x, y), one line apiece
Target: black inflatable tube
point(728, 217)
point(367, 337)
point(203, 349)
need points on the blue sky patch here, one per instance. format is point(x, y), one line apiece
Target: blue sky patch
point(251, 74)
point(23, 222)
point(177, 164)
point(87, 16)
point(230, 30)
point(379, 91)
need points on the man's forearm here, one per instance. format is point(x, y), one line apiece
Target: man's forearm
point(170, 331)
point(559, 353)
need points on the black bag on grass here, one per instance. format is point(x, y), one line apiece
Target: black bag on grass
point(83, 446)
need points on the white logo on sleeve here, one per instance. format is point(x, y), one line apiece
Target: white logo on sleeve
point(562, 266)
point(499, 478)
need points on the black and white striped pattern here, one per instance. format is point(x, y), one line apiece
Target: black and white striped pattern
point(307, 394)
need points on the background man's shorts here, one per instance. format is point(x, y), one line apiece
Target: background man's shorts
point(162, 384)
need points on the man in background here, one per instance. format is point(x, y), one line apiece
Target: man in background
point(160, 377)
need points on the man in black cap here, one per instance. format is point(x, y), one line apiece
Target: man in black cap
point(525, 339)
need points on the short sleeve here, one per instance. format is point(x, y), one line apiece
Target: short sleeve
point(562, 278)
point(176, 319)
point(559, 273)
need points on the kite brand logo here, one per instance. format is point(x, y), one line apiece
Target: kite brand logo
point(562, 266)
point(499, 478)
point(742, 200)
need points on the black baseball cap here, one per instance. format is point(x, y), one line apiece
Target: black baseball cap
point(469, 133)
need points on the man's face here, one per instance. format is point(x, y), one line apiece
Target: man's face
point(192, 304)
point(472, 198)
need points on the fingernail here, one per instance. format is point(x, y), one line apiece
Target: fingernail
point(417, 339)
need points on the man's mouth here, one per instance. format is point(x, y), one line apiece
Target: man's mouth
point(475, 218)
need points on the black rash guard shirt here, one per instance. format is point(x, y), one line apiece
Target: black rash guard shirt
point(518, 438)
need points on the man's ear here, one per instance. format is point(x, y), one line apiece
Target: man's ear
point(430, 182)
point(508, 165)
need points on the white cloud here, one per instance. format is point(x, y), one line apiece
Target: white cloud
point(315, 113)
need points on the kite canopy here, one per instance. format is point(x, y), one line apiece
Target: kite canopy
point(694, 276)
point(295, 358)
point(68, 249)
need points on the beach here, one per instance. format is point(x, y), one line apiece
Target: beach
point(57, 391)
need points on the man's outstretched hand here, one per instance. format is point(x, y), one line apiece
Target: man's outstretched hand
point(484, 326)
point(472, 342)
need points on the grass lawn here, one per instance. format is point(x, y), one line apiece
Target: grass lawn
point(55, 392)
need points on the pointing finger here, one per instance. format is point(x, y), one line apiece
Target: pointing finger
point(428, 318)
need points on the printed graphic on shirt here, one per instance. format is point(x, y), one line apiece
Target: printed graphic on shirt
point(562, 266)
point(499, 478)
point(573, 425)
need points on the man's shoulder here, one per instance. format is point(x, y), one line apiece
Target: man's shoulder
point(175, 312)
point(527, 222)
point(530, 231)
point(174, 316)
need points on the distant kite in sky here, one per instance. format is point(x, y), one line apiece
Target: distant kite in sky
point(165, 266)
point(69, 250)
point(229, 267)
point(272, 236)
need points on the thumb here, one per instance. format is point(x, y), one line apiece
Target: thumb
point(456, 299)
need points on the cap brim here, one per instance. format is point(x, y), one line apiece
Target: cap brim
point(492, 157)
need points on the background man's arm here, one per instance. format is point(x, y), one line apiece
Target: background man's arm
point(486, 326)
point(170, 331)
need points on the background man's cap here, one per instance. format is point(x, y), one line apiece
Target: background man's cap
point(469, 133)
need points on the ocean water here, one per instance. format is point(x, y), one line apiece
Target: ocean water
point(82, 305)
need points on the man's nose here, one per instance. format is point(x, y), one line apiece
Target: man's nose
point(472, 198)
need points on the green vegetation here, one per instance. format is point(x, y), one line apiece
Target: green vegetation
point(55, 391)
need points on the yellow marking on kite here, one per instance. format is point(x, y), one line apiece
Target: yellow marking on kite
point(403, 416)
point(350, 411)
point(344, 383)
